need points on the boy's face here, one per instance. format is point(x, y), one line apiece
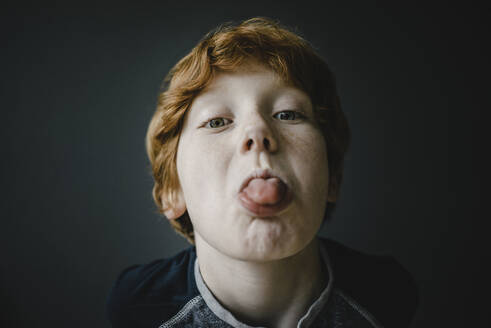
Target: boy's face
point(249, 122)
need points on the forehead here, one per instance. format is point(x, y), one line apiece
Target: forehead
point(251, 82)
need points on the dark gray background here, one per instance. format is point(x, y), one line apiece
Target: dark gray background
point(79, 86)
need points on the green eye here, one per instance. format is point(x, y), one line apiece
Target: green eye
point(216, 122)
point(288, 115)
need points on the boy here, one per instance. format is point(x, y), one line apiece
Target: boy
point(247, 146)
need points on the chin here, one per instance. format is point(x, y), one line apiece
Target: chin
point(269, 245)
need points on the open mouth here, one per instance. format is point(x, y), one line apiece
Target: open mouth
point(265, 195)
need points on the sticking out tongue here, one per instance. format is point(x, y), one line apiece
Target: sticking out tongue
point(265, 191)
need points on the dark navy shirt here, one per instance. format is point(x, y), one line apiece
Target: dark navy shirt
point(362, 291)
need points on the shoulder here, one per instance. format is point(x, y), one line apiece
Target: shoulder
point(145, 295)
point(378, 283)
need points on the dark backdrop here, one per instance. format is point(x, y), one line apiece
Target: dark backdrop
point(79, 86)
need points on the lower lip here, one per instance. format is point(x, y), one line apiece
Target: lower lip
point(260, 210)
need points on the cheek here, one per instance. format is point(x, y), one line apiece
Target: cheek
point(305, 139)
point(201, 167)
point(309, 161)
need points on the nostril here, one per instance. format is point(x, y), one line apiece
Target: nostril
point(265, 146)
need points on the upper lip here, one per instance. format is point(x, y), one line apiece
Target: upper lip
point(258, 173)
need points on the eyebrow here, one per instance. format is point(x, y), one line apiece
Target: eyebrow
point(290, 95)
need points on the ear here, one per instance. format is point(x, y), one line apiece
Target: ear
point(331, 197)
point(332, 194)
point(174, 205)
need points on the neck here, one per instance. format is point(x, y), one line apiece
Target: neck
point(274, 293)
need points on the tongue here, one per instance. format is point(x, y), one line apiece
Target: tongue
point(262, 191)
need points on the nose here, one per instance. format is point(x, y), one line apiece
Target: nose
point(258, 137)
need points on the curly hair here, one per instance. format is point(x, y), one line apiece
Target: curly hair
point(227, 48)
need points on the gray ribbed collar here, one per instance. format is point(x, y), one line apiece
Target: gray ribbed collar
point(229, 318)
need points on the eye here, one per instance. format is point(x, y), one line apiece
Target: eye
point(217, 122)
point(288, 115)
